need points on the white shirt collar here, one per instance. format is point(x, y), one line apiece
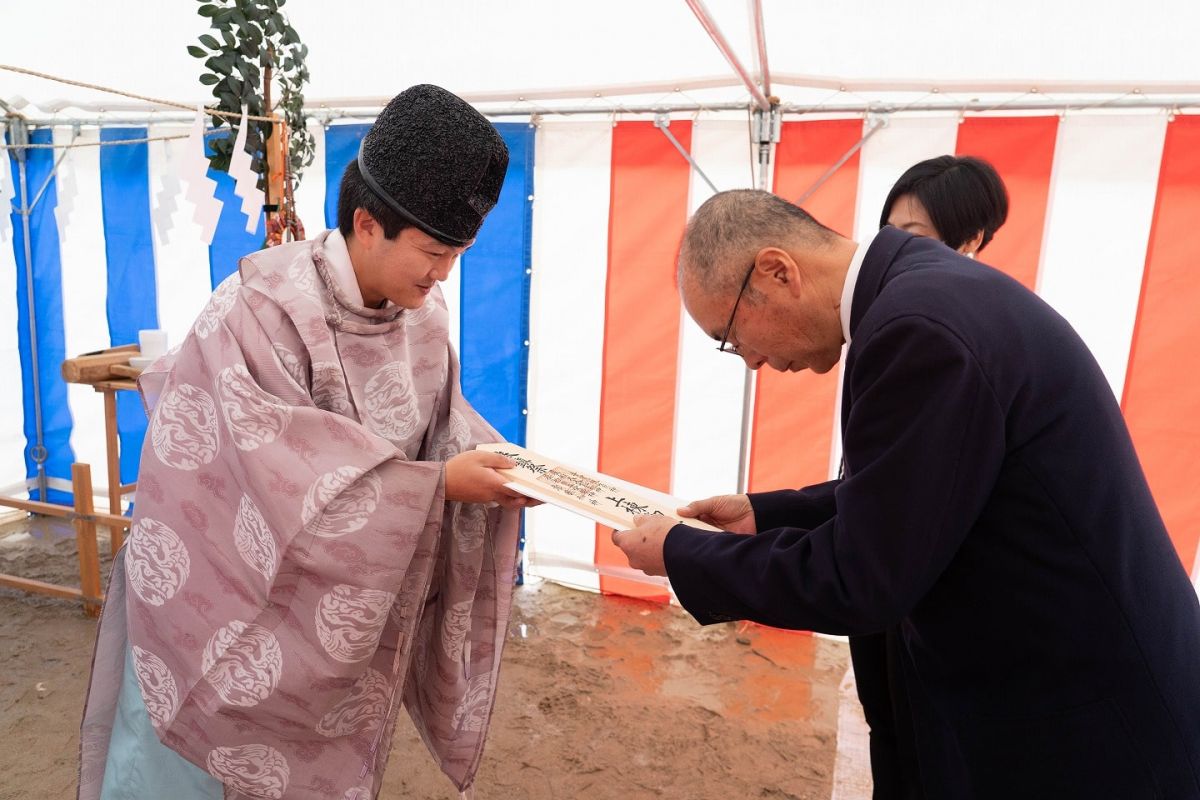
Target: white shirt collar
point(852, 281)
point(337, 258)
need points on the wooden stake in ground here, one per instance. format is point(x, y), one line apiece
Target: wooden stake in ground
point(85, 539)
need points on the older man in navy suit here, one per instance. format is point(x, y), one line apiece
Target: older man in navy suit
point(992, 506)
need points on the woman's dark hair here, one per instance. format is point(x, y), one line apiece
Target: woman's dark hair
point(354, 193)
point(963, 195)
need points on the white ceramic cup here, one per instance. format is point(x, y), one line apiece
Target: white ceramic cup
point(153, 342)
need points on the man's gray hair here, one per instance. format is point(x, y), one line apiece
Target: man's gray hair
point(728, 231)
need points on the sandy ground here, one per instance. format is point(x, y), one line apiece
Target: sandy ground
point(599, 697)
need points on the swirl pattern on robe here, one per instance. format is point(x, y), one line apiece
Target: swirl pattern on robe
point(473, 709)
point(302, 274)
point(361, 711)
point(252, 416)
point(472, 527)
point(455, 625)
point(392, 408)
point(350, 621)
point(255, 769)
point(253, 539)
point(452, 439)
point(424, 639)
point(158, 687)
point(218, 306)
point(340, 502)
point(329, 388)
point(243, 663)
point(357, 793)
point(156, 562)
point(417, 316)
point(444, 372)
point(291, 364)
point(184, 430)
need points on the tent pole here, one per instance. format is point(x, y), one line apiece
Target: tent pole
point(714, 33)
point(663, 122)
point(19, 136)
point(766, 127)
point(876, 124)
point(760, 40)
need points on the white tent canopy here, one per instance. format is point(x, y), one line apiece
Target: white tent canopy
point(364, 51)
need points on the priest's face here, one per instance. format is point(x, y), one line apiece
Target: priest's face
point(402, 270)
point(781, 320)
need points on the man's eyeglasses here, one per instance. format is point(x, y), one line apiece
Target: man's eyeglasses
point(725, 346)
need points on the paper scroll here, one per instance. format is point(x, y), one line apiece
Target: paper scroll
point(602, 498)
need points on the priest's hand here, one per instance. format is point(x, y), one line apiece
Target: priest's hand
point(643, 544)
point(729, 512)
point(471, 477)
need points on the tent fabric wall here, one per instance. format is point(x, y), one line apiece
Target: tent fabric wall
point(132, 297)
point(618, 378)
point(1022, 150)
point(341, 147)
point(570, 274)
point(709, 390)
point(494, 274)
point(565, 418)
point(182, 270)
point(648, 206)
point(12, 438)
point(1105, 177)
point(45, 266)
point(1161, 396)
point(80, 216)
point(794, 413)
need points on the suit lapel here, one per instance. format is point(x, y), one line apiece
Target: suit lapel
point(878, 261)
point(879, 258)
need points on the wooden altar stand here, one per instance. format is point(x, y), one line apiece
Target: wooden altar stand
point(108, 372)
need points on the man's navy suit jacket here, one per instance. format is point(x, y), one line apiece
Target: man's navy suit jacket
point(993, 507)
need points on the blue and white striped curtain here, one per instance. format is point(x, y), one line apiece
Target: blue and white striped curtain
point(113, 251)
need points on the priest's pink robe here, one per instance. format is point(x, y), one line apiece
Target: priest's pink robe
point(294, 573)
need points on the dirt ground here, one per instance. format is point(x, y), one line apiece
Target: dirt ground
point(599, 698)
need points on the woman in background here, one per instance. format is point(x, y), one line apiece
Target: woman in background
point(958, 200)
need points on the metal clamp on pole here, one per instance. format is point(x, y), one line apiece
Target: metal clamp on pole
point(766, 126)
point(18, 136)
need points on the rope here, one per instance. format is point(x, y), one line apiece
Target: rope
point(74, 145)
point(158, 101)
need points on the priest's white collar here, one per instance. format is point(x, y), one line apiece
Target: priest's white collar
point(337, 258)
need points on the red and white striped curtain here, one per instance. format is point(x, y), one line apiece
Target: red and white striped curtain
point(1102, 220)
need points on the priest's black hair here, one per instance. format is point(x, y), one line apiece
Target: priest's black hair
point(353, 193)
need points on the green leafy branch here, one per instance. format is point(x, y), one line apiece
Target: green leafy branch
point(252, 40)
